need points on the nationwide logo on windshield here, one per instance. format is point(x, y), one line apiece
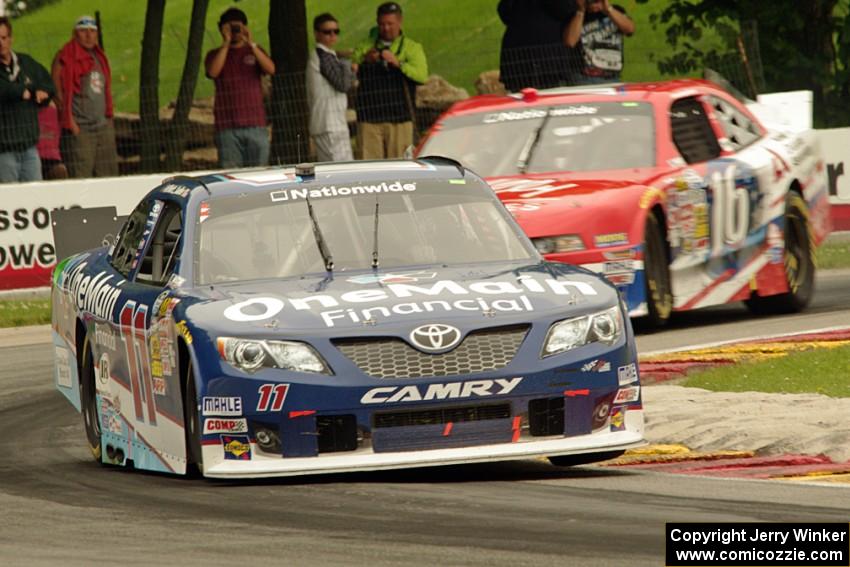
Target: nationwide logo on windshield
point(392, 278)
point(293, 194)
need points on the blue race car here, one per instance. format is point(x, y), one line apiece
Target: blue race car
point(338, 317)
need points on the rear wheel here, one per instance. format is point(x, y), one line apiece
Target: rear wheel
point(192, 424)
point(659, 293)
point(799, 261)
point(88, 402)
point(584, 458)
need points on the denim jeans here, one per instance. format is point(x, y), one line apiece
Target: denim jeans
point(242, 147)
point(20, 166)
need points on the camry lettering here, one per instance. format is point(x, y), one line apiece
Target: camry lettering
point(449, 391)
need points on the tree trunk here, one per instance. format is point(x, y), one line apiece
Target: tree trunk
point(289, 111)
point(149, 86)
point(179, 125)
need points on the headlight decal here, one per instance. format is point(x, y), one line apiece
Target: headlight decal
point(251, 355)
point(604, 327)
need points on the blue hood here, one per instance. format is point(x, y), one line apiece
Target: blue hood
point(384, 302)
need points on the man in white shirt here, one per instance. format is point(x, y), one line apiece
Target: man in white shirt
point(329, 78)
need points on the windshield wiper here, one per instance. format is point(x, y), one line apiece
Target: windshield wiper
point(375, 237)
point(320, 240)
point(531, 144)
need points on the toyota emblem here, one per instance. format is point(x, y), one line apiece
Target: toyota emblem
point(435, 337)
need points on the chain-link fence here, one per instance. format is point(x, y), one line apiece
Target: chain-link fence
point(280, 109)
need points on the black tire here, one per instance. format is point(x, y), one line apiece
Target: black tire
point(799, 261)
point(584, 458)
point(656, 269)
point(88, 402)
point(192, 424)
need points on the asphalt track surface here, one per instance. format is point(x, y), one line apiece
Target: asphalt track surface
point(59, 507)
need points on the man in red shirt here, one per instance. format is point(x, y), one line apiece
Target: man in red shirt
point(240, 119)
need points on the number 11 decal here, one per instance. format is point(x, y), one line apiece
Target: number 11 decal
point(272, 397)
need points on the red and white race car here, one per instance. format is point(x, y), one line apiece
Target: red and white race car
point(674, 190)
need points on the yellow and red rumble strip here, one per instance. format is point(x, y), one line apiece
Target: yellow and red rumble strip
point(678, 459)
point(656, 368)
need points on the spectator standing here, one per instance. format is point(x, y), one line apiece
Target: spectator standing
point(24, 86)
point(533, 52)
point(599, 27)
point(329, 78)
point(237, 67)
point(82, 74)
point(391, 65)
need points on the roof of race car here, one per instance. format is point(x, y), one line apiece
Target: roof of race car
point(650, 92)
point(262, 179)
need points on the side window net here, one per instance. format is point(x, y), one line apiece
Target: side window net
point(129, 239)
point(739, 130)
point(162, 254)
point(692, 131)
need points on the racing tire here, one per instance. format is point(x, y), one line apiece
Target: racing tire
point(584, 458)
point(192, 425)
point(88, 402)
point(656, 269)
point(799, 261)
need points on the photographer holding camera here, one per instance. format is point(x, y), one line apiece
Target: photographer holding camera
point(237, 66)
point(391, 66)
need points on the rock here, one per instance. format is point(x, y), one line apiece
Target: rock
point(433, 98)
point(488, 83)
point(438, 93)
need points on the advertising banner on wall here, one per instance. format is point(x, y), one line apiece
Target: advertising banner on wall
point(27, 254)
point(835, 145)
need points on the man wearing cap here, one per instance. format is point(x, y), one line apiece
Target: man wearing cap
point(24, 86)
point(391, 65)
point(84, 80)
point(237, 67)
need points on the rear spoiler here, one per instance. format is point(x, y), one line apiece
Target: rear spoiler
point(77, 230)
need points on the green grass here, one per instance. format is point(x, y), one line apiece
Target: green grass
point(461, 39)
point(834, 254)
point(820, 371)
point(22, 313)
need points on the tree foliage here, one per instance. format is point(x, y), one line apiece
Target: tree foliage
point(800, 45)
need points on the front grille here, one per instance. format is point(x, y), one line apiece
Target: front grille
point(481, 351)
point(441, 415)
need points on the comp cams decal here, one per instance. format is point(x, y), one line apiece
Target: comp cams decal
point(262, 308)
point(225, 425)
point(448, 391)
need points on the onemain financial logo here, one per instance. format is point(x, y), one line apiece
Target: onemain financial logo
point(295, 193)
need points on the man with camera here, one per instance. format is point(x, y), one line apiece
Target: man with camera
point(237, 67)
point(598, 28)
point(391, 65)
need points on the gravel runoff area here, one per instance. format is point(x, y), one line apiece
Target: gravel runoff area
point(769, 424)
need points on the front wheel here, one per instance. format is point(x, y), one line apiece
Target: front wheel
point(584, 458)
point(192, 424)
point(656, 269)
point(88, 402)
point(799, 261)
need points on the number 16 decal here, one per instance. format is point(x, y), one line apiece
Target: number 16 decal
point(272, 397)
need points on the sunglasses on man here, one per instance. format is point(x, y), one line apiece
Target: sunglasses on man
point(331, 31)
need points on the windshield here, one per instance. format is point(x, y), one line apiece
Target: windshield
point(575, 137)
point(271, 234)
